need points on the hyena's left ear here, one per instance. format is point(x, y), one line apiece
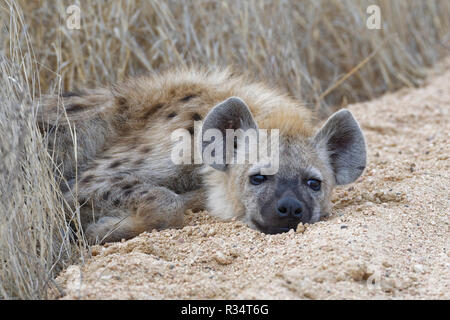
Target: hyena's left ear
point(232, 113)
point(343, 142)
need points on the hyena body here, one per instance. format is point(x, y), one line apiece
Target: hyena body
point(122, 173)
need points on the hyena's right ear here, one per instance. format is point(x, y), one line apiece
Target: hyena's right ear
point(232, 113)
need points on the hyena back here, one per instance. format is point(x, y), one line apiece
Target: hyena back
point(120, 167)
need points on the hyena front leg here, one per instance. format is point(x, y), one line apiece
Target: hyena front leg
point(128, 209)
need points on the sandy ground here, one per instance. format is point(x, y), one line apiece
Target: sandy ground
point(387, 237)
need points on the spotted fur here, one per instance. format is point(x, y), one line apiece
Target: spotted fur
point(121, 171)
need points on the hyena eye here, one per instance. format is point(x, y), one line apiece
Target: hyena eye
point(257, 179)
point(314, 184)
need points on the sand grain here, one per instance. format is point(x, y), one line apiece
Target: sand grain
point(388, 235)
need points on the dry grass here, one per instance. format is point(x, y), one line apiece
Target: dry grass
point(320, 51)
point(37, 237)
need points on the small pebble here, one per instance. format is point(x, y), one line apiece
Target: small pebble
point(300, 228)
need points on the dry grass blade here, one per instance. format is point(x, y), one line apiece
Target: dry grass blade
point(351, 72)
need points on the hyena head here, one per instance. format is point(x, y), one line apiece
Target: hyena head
point(308, 168)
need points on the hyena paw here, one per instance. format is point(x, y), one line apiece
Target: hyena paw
point(107, 229)
point(160, 208)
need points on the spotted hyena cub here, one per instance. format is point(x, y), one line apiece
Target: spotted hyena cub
point(121, 169)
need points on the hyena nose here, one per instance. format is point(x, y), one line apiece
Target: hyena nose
point(289, 207)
